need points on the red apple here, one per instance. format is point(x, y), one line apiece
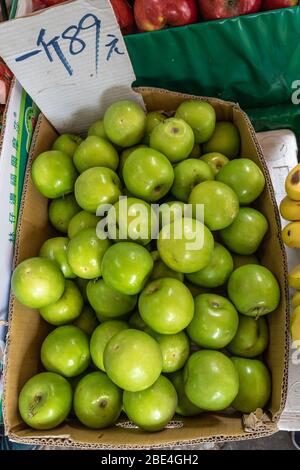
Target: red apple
point(122, 9)
point(275, 4)
point(46, 3)
point(6, 77)
point(151, 15)
point(124, 15)
point(217, 9)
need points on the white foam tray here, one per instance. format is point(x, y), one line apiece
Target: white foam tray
point(280, 150)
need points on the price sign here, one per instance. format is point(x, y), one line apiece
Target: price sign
point(72, 60)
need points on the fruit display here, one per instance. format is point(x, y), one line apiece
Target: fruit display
point(290, 211)
point(152, 309)
point(154, 15)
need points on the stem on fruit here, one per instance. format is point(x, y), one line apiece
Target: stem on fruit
point(102, 403)
point(258, 311)
point(32, 409)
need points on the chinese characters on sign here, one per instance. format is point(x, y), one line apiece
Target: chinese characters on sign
point(12, 195)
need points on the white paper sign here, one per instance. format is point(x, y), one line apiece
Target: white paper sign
point(72, 60)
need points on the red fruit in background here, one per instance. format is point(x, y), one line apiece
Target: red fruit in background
point(39, 4)
point(275, 4)
point(49, 3)
point(6, 77)
point(217, 9)
point(152, 15)
point(124, 15)
point(122, 9)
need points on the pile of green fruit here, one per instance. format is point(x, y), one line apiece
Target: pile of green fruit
point(142, 324)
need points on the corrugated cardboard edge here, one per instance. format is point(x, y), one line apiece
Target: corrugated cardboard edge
point(262, 427)
point(67, 442)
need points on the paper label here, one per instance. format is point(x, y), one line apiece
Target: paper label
point(72, 60)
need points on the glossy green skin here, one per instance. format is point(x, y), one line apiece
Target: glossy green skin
point(97, 129)
point(66, 351)
point(254, 290)
point(133, 219)
point(255, 385)
point(87, 320)
point(95, 151)
point(225, 139)
point(184, 407)
point(108, 302)
point(166, 305)
point(45, 400)
point(81, 221)
point(169, 211)
point(211, 380)
point(174, 138)
point(246, 232)
point(221, 205)
point(126, 267)
point(176, 253)
point(65, 309)
point(67, 143)
point(136, 322)
point(37, 282)
point(85, 253)
point(215, 322)
point(125, 154)
point(251, 338)
point(125, 123)
point(61, 211)
point(53, 174)
point(152, 120)
point(97, 401)
point(175, 350)
point(241, 260)
point(148, 174)
point(160, 269)
point(217, 271)
point(101, 336)
point(97, 186)
point(216, 161)
point(245, 178)
point(153, 408)
point(56, 250)
point(200, 116)
point(82, 284)
point(188, 174)
point(132, 360)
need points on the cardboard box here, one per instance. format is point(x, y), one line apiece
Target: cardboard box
point(27, 329)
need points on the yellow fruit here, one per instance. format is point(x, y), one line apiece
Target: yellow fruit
point(292, 183)
point(296, 299)
point(294, 277)
point(295, 324)
point(291, 235)
point(289, 209)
